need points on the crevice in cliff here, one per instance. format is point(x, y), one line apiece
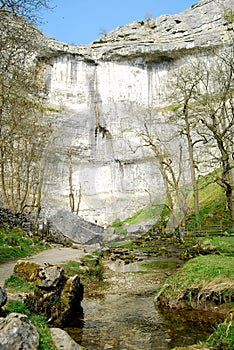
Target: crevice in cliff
point(99, 128)
point(95, 102)
point(103, 130)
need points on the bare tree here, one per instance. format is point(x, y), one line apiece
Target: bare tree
point(203, 111)
point(171, 173)
point(184, 87)
point(24, 131)
point(29, 9)
point(215, 112)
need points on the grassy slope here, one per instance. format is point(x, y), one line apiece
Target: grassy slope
point(16, 244)
point(213, 208)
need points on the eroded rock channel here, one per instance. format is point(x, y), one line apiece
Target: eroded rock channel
point(123, 315)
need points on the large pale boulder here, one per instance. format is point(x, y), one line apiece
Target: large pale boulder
point(74, 228)
point(18, 333)
point(62, 340)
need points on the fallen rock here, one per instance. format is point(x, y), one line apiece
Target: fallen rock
point(66, 224)
point(62, 340)
point(17, 332)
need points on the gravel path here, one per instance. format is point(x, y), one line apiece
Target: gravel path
point(53, 256)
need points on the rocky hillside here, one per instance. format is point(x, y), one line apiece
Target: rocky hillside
point(103, 93)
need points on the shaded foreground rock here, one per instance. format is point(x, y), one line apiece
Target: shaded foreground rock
point(17, 332)
point(3, 297)
point(57, 296)
point(62, 340)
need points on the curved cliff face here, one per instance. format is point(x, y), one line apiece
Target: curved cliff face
point(104, 92)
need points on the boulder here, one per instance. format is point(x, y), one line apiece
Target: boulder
point(74, 228)
point(3, 297)
point(62, 340)
point(17, 332)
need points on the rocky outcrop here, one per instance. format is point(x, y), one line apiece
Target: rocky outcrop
point(57, 296)
point(17, 332)
point(102, 94)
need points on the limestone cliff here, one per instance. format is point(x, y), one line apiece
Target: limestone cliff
point(102, 92)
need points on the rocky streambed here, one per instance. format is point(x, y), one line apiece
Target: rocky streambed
point(123, 315)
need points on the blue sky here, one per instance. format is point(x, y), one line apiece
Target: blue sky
point(81, 21)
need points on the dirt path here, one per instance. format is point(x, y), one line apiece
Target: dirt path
point(53, 256)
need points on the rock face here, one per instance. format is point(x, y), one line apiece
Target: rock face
point(17, 332)
point(103, 94)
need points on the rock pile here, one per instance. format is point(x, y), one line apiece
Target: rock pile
point(9, 218)
point(17, 332)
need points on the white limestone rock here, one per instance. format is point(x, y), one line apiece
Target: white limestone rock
point(104, 92)
point(62, 340)
point(17, 332)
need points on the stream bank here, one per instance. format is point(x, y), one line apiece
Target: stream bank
point(123, 316)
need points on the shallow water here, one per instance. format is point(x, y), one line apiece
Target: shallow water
point(126, 318)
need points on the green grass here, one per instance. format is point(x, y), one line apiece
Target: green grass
point(18, 307)
point(225, 245)
point(210, 272)
point(212, 201)
point(221, 339)
point(45, 340)
point(16, 244)
point(17, 284)
point(223, 336)
point(90, 270)
point(156, 212)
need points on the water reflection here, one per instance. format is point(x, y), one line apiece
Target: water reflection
point(126, 318)
point(131, 322)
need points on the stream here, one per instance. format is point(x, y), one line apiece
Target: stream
point(125, 317)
